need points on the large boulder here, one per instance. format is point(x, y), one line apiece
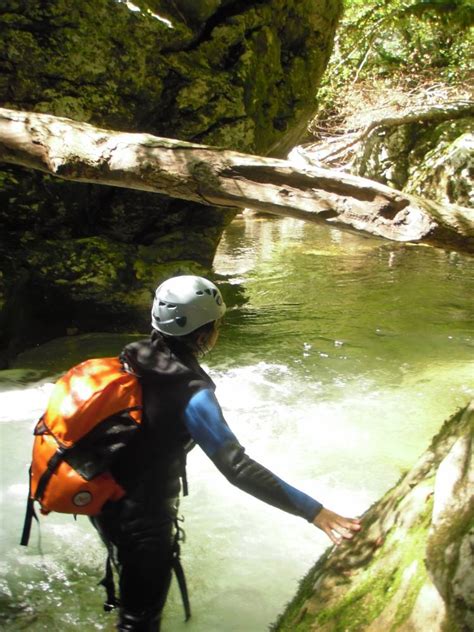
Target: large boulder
point(411, 568)
point(220, 72)
point(433, 160)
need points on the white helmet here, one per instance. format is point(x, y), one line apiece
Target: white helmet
point(185, 303)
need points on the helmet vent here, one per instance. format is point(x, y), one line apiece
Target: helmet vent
point(185, 303)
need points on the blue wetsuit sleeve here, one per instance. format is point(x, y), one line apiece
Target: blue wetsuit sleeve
point(206, 424)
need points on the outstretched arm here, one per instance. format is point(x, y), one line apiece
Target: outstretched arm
point(207, 426)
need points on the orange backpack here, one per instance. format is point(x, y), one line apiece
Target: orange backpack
point(93, 412)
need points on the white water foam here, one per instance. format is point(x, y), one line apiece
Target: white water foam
point(24, 404)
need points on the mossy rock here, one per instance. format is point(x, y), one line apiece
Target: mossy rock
point(433, 160)
point(220, 72)
point(411, 567)
point(443, 165)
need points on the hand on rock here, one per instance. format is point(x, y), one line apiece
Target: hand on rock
point(336, 527)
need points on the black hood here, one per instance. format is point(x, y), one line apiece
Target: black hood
point(155, 358)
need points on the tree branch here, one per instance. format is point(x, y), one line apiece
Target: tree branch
point(80, 152)
point(430, 114)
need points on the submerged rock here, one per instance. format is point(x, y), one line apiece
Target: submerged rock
point(411, 569)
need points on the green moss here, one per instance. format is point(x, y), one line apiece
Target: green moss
point(365, 603)
point(152, 273)
point(84, 266)
point(382, 581)
point(454, 427)
point(461, 524)
point(410, 595)
point(242, 81)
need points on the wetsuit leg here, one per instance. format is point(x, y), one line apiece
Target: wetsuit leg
point(143, 538)
point(132, 623)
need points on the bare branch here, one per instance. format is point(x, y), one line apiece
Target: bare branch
point(433, 113)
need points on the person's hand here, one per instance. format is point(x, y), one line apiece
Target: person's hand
point(336, 527)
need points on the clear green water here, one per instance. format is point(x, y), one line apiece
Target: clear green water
point(340, 358)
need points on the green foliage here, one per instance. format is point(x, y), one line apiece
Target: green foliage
point(455, 12)
point(392, 40)
point(416, 35)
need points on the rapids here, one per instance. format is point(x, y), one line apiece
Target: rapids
point(338, 360)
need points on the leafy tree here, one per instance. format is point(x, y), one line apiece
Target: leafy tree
point(410, 42)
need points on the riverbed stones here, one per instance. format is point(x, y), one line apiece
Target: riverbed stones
point(219, 72)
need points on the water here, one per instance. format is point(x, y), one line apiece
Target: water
point(339, 360)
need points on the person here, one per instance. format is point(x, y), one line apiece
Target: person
point(180, 410)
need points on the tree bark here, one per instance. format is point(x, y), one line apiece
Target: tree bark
point(213, 176)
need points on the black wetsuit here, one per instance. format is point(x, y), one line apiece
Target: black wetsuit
point(180, 409)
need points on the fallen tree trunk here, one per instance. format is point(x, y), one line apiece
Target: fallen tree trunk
point(213, 176)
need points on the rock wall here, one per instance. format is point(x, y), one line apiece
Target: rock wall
point(77, 257)
point(411, 569)
point(435, 161)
